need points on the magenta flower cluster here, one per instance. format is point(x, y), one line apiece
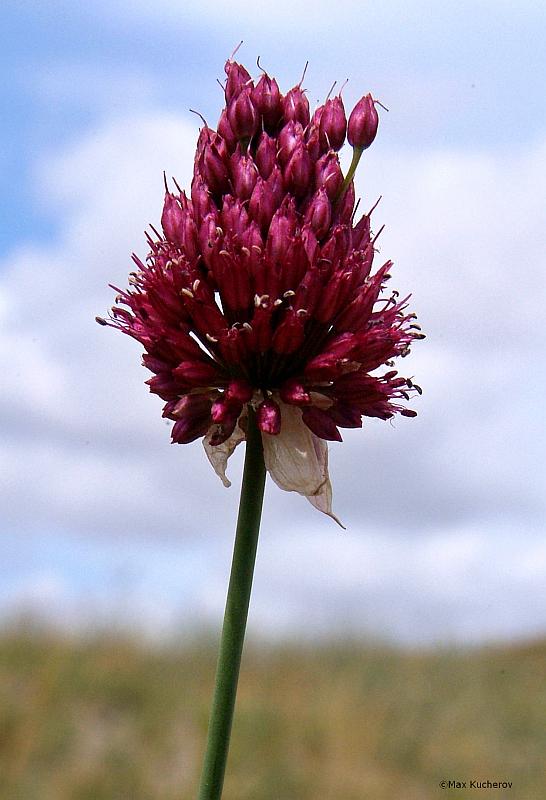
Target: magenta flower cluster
point(261, 288)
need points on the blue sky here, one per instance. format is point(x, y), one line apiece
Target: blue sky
point(445, 513)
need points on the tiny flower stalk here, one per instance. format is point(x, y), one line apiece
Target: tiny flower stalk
point(263, 319)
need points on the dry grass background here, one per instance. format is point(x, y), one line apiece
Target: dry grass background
point(113, 718)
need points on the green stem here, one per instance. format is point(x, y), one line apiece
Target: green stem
point(233, 631)
point(357, 152)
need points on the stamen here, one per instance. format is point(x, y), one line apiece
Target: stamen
point(304, 71)
point(201, 117)
point(330, 92)
point(238, 46)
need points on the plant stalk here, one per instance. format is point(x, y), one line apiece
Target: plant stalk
point(235, 616)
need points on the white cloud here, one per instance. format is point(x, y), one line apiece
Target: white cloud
point(86, 450)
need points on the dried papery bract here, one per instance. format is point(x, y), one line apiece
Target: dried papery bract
point(261, 289)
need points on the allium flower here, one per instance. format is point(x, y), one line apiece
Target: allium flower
point(261, 291)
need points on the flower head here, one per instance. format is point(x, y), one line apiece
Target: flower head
point(261, 290)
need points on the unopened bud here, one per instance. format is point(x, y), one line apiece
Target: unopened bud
point(202, 202)
point(242, 115)
point(294, 392)
point(268, 417)
point(224, 410)
point(298, 171)
point(288, 138)
point(363, 123)
point(225, 131)
point(266, 198)
point(267, 100)
point(295, 106)
point(319, 213)
point(212, 164)
point(281, 231)
point(239, 391)
point(333, 124)
point(172, 219)
point(312, 140)
point(243, 174)
point(266, 155)
point(237, 79)
point(328, 174)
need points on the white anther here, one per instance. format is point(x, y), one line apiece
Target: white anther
point(196, 284)
point(211, 338)
point(261, 300)
point(187, 292)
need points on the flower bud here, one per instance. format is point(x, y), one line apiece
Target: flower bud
point(319, 213)
point(192, 413)
point(205, 135)
point(243, 174)
point(294, 392)
point(333, 124)
point(334, 250)
point(195, 373)
point(202, 202)
point(289, 335)
point(321, 424)
point(234, 216)
point(242, 115)
point(312, 140)
point(361, 233)
point(267, 100)
point(328, 174)
point(268, 417)
point(363, 123)
point(266, 198)
point(209, 238)
point(179, 226)
point(237, 78)
point(298, 171)
point(317, 116)
point(266, 155)
point(281, 231)
point(212, 164)
point(224, 409)
point(345, 205)
point(290, 135)
point(295, 107)
point(239, 391)
point(172, 219)
point(226, 132)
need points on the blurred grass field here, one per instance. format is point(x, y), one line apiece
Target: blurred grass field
point(112, 718)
